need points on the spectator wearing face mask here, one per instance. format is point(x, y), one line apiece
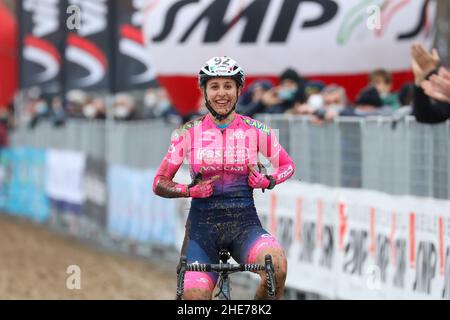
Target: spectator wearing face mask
point(368, 103)
point(37, 110)
point(381, 80)
point(313, 88)
point(314, 100)
point(335, 101)
point(250, 102)
point(124, 107)
point(94, 109)
point(76, 99)
point(157, 105)
point(283, 97)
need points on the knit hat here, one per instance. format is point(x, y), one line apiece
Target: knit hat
point(265, 84)
point(369, 96)
point(290, 74)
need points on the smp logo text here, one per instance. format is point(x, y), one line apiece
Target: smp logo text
point(211, 21)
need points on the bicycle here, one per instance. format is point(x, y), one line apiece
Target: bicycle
point(224, 269)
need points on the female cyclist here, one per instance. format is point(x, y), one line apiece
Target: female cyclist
point(222, 150)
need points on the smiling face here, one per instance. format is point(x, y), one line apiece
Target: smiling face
point(222, 94)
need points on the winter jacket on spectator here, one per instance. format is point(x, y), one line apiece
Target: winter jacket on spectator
point(427, 110)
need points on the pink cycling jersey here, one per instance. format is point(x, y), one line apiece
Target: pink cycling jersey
point(224, 152)
point(228, 218)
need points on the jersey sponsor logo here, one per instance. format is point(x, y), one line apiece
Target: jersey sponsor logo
point(237, 155)
point(209, 135)
point(220, 168)
point(209, 154)
point(191, 124)
point(258, 125)
point(232, 155)
point(239, 135)
point(172, 148)
point(275, 143)
point(210, 168)
point(286, 173)
point(234, 168)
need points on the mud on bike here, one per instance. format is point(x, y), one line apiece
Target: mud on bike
point(224, 269)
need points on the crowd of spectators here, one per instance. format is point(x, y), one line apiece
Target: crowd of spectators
point(126, 106)
point(324, 102)
point(427, 98)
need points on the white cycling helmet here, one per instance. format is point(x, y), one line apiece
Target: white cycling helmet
point(221, 67)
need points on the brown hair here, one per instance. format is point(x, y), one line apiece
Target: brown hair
point(384, 74)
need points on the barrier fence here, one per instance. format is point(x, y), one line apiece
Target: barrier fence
point(398, 158)
point(408, 158)
point(93, 179)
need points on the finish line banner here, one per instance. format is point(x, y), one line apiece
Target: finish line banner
point(358, 244)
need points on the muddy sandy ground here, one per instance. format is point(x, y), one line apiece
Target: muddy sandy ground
point(34, 263)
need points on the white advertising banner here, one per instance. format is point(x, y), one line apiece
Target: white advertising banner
point(65, 170)
point(359, 244)
point(326, 37)
point(335, 41)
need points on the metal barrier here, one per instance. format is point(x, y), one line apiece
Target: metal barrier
point(371, 153)
point(138, 144)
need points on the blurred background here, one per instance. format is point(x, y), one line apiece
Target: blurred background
point(90, 92)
